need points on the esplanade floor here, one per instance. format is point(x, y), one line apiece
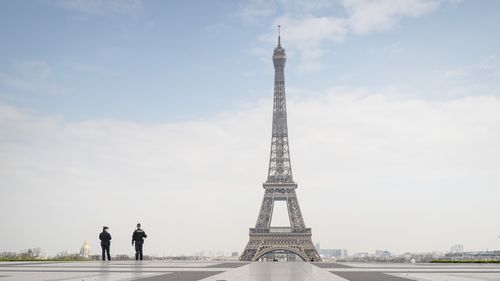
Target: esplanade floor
point(239, 271)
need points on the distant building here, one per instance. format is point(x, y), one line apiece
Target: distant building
point(333, 253)
point(437, 254)
point(382, 253)
point(457, 249)
point(361, 255)
point(474, 255)
point(407, 256)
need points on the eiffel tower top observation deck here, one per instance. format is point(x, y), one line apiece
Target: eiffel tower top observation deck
point(280, 167)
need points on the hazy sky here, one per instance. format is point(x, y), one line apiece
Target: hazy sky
point(115, 112)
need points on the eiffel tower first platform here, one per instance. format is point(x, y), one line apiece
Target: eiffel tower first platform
point(266, 241)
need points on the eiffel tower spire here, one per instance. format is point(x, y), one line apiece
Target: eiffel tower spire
point(280, 167)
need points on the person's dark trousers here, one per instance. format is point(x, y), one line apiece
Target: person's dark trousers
point(105, 250)
point(138, 251)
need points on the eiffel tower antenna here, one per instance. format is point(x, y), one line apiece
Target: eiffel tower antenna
point(279, 35)
point(267, 242)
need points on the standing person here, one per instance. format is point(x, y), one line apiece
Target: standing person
point(105, 238)
point(138, 237)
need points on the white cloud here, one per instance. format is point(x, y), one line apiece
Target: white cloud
point(368, 15)
point(307, 25)
point(365, 162)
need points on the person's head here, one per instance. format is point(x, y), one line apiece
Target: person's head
point(105, 228)
point(138, 226)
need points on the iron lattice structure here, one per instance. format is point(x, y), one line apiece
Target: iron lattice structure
point(280, 186)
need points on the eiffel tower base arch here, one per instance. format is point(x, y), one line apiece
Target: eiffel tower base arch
point(261, 244)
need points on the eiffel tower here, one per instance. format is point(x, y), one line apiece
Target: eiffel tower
point(266, 241)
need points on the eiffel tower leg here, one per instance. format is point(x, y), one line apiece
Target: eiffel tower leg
point(294, 213)
point(266, 212)
point(263, 222)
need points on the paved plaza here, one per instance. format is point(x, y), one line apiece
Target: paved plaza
point(240, 271)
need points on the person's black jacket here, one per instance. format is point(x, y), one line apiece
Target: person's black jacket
point(138, 236)
point(105, 238)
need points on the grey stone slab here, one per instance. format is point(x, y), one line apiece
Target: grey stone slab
point(420, 271)
point(369, 276)
point(8, 263)
point(127, 266)
point(93, 271)
point(181, 276)
point(228, 265)
point(276, 271)
point(73, 277)
point(100, 264)
point(70, 276)
point(409, 267)
point(452, 276)
point(419, 265)
point(330, 265)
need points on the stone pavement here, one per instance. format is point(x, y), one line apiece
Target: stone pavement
point(239, 271)
point(416, 272)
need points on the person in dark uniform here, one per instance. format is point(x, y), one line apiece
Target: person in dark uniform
point(105, 238)
point(138, 238)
